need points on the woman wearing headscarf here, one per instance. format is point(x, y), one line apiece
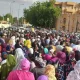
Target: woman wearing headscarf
point(47, 55)
point(60, 73)
point(45, 51)
point(70, 63)
point(40, 67)
point(75, 74)
point(7, 66)
point(49, 73)
point(19, 54)
point(59, 48)
point(23, 73)
point(4, 56)
point(69, 49)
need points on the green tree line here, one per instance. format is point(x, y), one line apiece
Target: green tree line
point(42, 14)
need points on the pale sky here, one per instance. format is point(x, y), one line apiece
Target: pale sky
point(6, 4)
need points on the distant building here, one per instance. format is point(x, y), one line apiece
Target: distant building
point(70, 17)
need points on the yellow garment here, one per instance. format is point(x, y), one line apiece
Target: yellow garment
point(54, 48)
point(27, 43)
point(32, 29)
point(69, 49)
point(50, 72)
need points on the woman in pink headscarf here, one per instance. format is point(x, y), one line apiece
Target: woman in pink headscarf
point(23, 73)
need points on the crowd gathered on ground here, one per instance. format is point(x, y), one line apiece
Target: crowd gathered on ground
point(39, 56)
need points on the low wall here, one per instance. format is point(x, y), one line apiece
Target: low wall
point(4, 25)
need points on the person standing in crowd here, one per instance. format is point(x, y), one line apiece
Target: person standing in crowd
point(27, 42)
point(23, 73)
point(7, 65)
point(60, 71)
point(19, 54)
point(75, 74)
point(49, 73)
point(47, 54)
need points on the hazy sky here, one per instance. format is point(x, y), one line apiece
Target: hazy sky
point(5, 6)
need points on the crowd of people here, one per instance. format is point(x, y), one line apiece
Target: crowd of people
point(39, 56)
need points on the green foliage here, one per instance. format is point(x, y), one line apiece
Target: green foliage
point(8, 16)
point(1, 18)
point(15, 20)
point(21, 20)
point(42, 14)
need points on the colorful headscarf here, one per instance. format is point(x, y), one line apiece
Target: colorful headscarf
point(50, 72)
point(11, 60)
point(41, 62)
point(24, 64)
point(47, 57)
point(46, 51)
point(18, 55)
point(69, 49)
point(61, 57)
point(42, 77)
point(4, 53)
point(7, 66)
point(59, 48)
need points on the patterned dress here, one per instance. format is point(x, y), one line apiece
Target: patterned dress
point(60, 72)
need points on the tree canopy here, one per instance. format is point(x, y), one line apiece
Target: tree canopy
point(21, 20)
point(42, 14)
point(1, 18)
point(15, 20)
point(8, 17)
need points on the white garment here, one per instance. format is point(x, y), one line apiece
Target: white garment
point(55, 41)
point(19, 54)
point(33, 40)
point(3, 62)
point(32, 65)
point(31, 50)
point(77, 47)
point(13, 40)
point(59, 48)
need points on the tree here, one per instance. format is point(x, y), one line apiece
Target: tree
point(1, 18)
point(15, 20)
point(21, 19)
point(42, 14)
point(8, 17)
